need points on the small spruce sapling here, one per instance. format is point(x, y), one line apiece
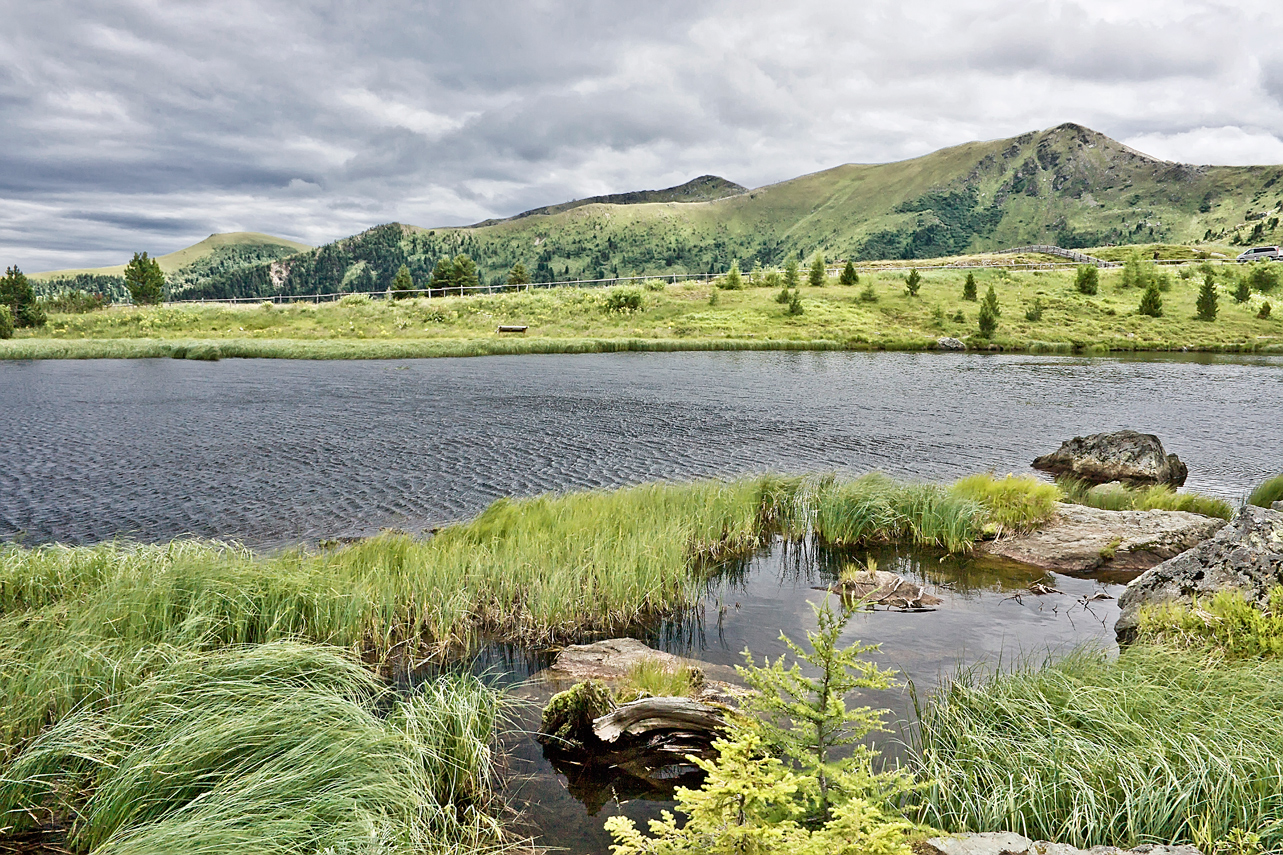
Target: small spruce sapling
point(849, 276)
point(913, 282)
point(1242, 290)
point(969, 288)
point(989, 313)
point(1034, 313)
point(817, 274)
point(732, 281)
point(791, 277)
point(402, 283)
point(795, 303)
point(1151, 302)
point(1206, 304)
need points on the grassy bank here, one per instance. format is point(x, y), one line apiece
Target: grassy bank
point(1041, 312)
point(1159, 744)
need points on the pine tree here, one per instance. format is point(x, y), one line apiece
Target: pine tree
point(732, 281)
point(1242, 290)
point(518, 275)
point(402, 283)
point(465, 274)
point(989, 313)
point(969, 288)
point(913, 282)
point(849, 276)
point(1088, 279)
point(17, 294)
point(1207, 299)
point(145, 280)
point(791, 277)
point(1151, 302)
point(818, 272)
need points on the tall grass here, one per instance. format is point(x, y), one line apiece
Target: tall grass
point(1225, 622)
point(1160, 497)
point(271, 748)
point(1020, 503)
point(875, 508)
point(1156, 745)
point(1267, 492)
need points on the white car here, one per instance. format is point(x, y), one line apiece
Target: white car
point(1261, 253)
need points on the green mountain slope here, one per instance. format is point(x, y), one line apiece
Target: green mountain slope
point(706, 188)
point(1069, 186)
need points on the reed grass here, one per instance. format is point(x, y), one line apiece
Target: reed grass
point(654, 679)
point(1161, 497)
point(1157, 745)
point(278, 748)
point(1267, 492)
point(875, 508)
point(1014, 502)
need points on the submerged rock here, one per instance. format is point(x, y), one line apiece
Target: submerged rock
point(1135, 459)
point(1010, 843)
point(1080, 539)
point(879, 588)
point(1246, 555)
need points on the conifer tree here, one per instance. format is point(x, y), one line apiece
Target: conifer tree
point(732, 281)
point(913, 282)
point(1088, 279)
point(442, 277)
point(1242, 290)
point(17, 294)
point(6, 322)
point(518, 275)
point(969, 287)
point(145, 280)
point(1151, 302)
point(791, 277)
point(817, 274)
point(989, 313)
point(402, 283)
point(465, 274)
point(849, 276)
point(1207, 299)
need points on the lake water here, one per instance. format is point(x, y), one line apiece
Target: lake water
point(273, 452)
point(277, 452)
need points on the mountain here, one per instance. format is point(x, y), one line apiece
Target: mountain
point(215, 256)
point(706, 188)
point(1068, 185)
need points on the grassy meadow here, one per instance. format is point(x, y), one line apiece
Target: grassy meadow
point(1041, 311)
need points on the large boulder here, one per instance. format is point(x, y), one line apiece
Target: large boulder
point(1079, 539)
point(1135, 459)
point(1010, 843)
point(1246, 555)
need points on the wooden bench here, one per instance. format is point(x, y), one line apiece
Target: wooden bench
point(515, 328)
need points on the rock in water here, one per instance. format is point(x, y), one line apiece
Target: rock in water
point(1135, 459)
point(948, 343)
point(1080, 539)
point(1246, 555)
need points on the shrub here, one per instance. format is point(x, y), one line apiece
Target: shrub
point(6, 322)
point(849, 276)
point(655, 284)
point(959, 317)
point(913, 282)
point(713, 298)
point(1267, 493)
point(624, 300)
point(1034, 312)
point(1207, 299)
point(74, 302)
point(772, 279)
point(1264, 312)
point(355, 300)
point(1151, 302)
point(969, 288)
point(1087, 281)
point(817, 274)
point(795, 303)
point(1263, 277)
point(989, 313)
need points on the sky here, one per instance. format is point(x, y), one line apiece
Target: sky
point(130, 125)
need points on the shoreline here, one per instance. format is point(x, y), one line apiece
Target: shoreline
point(330, 349)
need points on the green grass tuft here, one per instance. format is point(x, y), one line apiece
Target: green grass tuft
point(1226, 623)
point(1020, 503)
point(1120, 498)
point(1267, 493)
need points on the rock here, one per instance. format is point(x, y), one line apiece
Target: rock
point(950, 344)
point(1245, 555)
point(879, 588)
point(1080, 539)
point(648, 715)
point(1010, 843)
point(611, 659)
point(1277, 506)
point(568, 718)
point(1135, 459)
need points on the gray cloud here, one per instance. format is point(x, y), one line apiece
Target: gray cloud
point(133, 125)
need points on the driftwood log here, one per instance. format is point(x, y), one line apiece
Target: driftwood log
point(651, 714)
point(879, 588)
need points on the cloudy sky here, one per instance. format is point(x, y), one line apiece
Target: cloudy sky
point(141, 124)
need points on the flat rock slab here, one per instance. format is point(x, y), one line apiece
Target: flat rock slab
point(1010, 843)
point(1080, 539)
point(1245, 555)
point(611, 659)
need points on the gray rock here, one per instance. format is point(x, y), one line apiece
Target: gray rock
point(1010, 843)
point(1277, 506)
point(611, 659)
point(1080, 539)
point(947, 343)
point(1246, 555)
point(1135, 459)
